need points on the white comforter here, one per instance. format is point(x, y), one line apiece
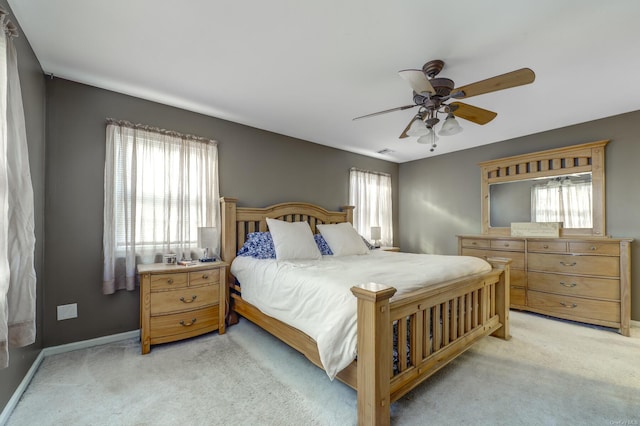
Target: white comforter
point(314, 296)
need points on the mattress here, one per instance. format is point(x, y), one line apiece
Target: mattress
point(314, 296)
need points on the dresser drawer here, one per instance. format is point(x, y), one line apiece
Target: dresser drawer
point(475, 243)
point(507, 244)
point(574, 307)
point(547, 246)
point(595, 248)
point(518, 278)
point(586, 265)
point(517, 259)
point(180, 300)
point(517, 296)
point(599, 288)
point(168, 281)
point(210, 276)
point(191, 323)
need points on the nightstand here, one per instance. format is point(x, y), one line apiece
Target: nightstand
point(178, 302)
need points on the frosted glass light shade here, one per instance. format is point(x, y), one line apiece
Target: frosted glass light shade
point(417, 129)
point(450, 126)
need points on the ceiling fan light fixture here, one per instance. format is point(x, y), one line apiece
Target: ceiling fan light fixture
point(450, 126)
point(430, 138)
point(418, 128)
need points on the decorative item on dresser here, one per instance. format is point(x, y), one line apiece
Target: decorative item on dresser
point(178, 302)
point(580, 279)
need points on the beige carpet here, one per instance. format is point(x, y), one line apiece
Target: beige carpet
point(550, 373)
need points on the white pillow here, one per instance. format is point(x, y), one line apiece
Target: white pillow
point(293, 240)
point(343, 239)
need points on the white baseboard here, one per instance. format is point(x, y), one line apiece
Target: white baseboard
point(55, 350)
point(11, 405)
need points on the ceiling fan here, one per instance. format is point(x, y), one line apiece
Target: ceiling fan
point(431, 94)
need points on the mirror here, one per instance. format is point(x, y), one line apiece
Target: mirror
point(565, 198)
point(508, 185)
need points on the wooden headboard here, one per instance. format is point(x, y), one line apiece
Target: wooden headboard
point(237, 222)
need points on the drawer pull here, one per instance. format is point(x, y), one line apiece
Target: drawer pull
point(569, 305)
point(205, 277)
point(193, 321)
point(546, 246)
point(568, 263)
point(593, 248)
point(506, 244)
point(193, 298)
point(475, 243)
point(170, 281)
point(562, 283)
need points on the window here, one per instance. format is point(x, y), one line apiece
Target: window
point(370, 193)
point(160, 187)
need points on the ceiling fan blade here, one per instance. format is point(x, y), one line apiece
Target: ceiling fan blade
point(418, 81)
point(385, 111)
point(406, 129)
point(505, 81)
point(472, 113)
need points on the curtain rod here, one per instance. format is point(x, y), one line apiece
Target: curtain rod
point(130, 125)
point(355, 169)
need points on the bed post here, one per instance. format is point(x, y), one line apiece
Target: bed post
point(502, 295)
point(349, 211)
point(228, 248)
point(374, 366)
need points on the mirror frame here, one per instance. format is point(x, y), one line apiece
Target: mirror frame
point(588, 157)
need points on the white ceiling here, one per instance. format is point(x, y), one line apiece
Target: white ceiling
point(306, 68)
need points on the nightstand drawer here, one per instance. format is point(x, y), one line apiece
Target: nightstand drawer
point(184, 299)
point(210, 276)
point(168, 281)
point(188, 323)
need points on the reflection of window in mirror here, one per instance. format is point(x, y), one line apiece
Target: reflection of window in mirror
point(563, 199)
point(567, 199)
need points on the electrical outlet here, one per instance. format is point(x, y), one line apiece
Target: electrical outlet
point(67, 311)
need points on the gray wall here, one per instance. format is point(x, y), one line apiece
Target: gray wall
point(440, 196)
point(33, 97)
point(257, 167)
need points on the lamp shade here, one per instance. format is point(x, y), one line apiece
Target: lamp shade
point(376, 233)
point(207, 236)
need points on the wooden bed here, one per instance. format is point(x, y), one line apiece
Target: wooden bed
point(434, 325)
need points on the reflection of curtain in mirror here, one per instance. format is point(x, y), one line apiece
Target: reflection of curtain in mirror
point(567, 201)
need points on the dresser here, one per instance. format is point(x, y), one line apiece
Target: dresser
point(579, 279)
point(178, 302)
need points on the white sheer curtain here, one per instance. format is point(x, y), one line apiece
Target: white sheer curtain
point(565, 200)
point(160, 186)
point(17, 237)
point(370, 193)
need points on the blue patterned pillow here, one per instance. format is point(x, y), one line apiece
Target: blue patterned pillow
point(322, 245)
point(258, 245)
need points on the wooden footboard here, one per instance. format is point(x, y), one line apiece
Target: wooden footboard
point(432, 325)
